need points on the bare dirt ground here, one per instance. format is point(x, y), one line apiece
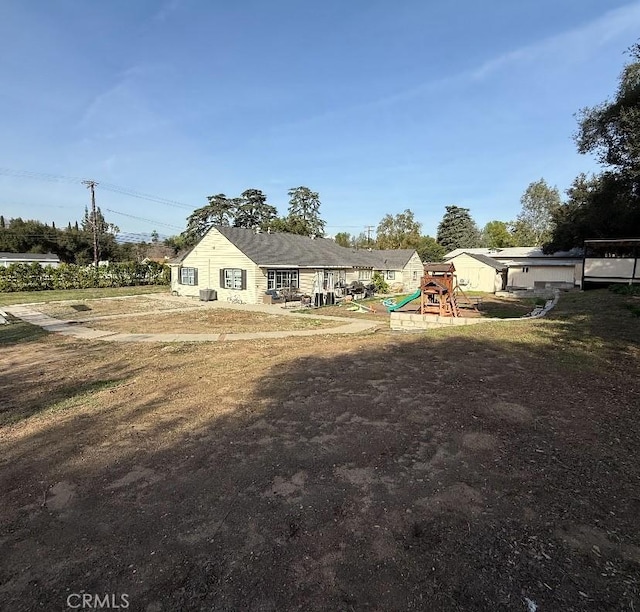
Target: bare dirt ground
point(85, 309)
point(219, 320)
point(487, 306)
point(467, 469)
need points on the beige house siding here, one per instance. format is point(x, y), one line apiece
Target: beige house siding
point(474, 275)
point(354, 275)
point(412, 273)
point(528, 276)
point(213, 253)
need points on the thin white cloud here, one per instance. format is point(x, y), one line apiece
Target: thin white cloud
point(572, 45)
point(166, 10)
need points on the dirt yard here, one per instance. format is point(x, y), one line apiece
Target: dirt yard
point(492, 467)
point(218, 320)
point(158, 314)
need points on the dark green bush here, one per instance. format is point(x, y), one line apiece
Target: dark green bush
point(34, 277)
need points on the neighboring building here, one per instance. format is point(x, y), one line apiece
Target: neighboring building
point(475, 272)
point(44, 259)
point(611, 261)
point(245, 263)
point(529, 267)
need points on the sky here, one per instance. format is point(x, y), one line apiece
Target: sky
point(378, 105)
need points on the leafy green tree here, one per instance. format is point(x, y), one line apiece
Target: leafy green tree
point(304, 212)
point(429, 249)
point(457, 230)
point(496, 235)
point(539, 203)
point(177, 243)
point(343, 239)
point(401, 231)
point(30, 236)
point(607, 205)
point(253, 211)
point(600, 206)
point(611, 130)
point(220, 210)
point(106, 232)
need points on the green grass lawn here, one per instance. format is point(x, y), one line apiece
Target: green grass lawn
point(28, 297)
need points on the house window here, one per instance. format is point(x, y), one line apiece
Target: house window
point(282, 279)
point(415, 275)
point(391, 274)
point(525, 269)
point(188, 276)
point(364, 275)
point(232, 278)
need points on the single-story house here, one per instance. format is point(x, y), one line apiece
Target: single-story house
point(44, 259)
point(477, 272)
point(247, 263)
point(529, 267)
point(611, 261)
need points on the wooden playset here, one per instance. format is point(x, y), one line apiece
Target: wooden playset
point(437, 294)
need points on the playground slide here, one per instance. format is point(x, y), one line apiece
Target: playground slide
point(406, 300)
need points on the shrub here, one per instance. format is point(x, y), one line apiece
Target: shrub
point(381, 285)
point(625, 289)
point(34, 277)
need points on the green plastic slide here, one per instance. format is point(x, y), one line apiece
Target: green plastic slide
point(409, 298)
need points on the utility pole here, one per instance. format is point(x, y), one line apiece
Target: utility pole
point(94, 219)
point(368, 229)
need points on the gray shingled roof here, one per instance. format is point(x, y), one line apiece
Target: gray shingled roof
point(392, 259)
point(489, 261)
point(279, 249)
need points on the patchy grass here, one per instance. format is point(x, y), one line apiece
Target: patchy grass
point(81, 395)
point(459, 469)
point(506, 308)
point(29, 297)
point(17, 331)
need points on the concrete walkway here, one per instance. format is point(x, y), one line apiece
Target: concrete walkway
point(30, 314)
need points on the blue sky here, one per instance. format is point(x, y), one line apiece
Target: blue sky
point(377, 105)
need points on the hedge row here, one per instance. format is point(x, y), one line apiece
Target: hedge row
point(34, 277)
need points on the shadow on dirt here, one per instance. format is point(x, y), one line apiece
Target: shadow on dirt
point(387, 473)
point(17, 331)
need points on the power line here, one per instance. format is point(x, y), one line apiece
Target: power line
point(91, 185)
point(41, 176)
point(115, 212)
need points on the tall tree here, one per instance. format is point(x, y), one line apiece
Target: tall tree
point(106, 232)
point(429, 249)
point(608, 205)
point(496, 235)
point(304, 212)
point(343, 239)
point(220, 210)
point(611, 130)
point(399, 231)
point(539, 204)
point(253, 211)
point(457, 230)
